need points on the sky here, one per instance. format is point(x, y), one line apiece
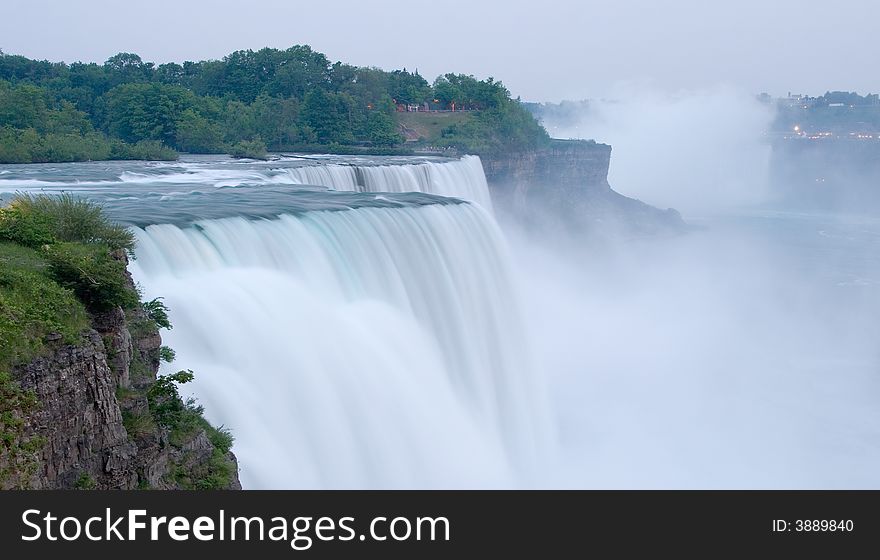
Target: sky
point(543, 51)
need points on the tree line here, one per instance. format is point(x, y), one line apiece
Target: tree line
point(246, 103)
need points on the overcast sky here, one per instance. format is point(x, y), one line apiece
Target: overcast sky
point(542, 50)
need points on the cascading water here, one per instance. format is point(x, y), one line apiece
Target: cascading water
point(372, 347)
point(461, 178)
point(366, 336)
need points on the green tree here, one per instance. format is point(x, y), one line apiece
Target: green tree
point(23, 106)
point(196, 134)
point(125, 68)
point(138, 112)
point(330, 116)
point(408, 87)
point(276, 120)
point(381, 128)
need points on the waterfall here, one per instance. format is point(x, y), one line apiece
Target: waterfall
point(463, 178)
point(363, 348)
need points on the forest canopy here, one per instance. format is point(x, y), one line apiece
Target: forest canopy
point(248, 102)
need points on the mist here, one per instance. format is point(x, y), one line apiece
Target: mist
point(699, 151)
point(713, 360)
point(741, 354)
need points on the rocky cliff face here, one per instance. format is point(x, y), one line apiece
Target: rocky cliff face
point(93, 416)
point(565, 185)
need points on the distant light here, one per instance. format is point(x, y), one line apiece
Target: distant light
point(797, 128)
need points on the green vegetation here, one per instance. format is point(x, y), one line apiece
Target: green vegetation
point(506, 127)
point(428, 126)
point(157, 312)
point(33, 306)
point(18, 455)
point(93, 274)
point(253, 149)
point(35, 221)
point(85, 482)
point(166, 354)
point(183, 420)
point(55, 263)
point(145, 149)
point(60, 259)
point(245, 104)
point(74, 245)
point(138, 425)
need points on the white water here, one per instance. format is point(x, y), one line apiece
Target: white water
point(367, 348)
point(462, 178)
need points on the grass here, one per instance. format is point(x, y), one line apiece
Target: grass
point(33, 306)
point(35, 221)
point(60, 258)
point(76, 240)
point(138, 425)
point(428, 126)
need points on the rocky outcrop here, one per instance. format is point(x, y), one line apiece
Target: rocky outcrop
point(93, 418)
point(565, 185)
point(563, 164)
point(79, 417)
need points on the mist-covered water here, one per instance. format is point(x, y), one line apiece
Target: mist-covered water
point(366, 338)
point(743, 354)
point(697, 152)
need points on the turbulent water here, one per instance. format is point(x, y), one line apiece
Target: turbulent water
point(365, 337)
point(462, 178)
point(354, 325)
point(363, 348)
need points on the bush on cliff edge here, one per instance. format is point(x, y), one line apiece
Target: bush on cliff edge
point(76, 240)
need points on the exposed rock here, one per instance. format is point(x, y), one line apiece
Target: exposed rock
point(565, 185)
point(117, 339)
point(84, 392)
point(79, 417)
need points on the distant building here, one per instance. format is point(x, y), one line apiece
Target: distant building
point(799, 100)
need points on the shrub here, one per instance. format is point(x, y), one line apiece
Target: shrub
point(29, 146)
point(158, 313)
point(19, 225)
point(166, 354)
point(34, 221)
point(183, 420)
point(85, 482)
point(253, 149)
point(166, 406)
point(143, 150)
point(138, 425)
point(97, 279)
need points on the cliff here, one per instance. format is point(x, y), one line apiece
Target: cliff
point(93, 421)
point(565, 184)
